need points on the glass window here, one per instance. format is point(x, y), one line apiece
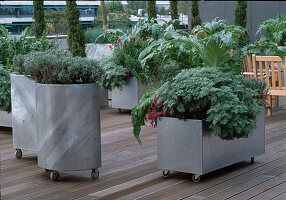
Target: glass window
point(87, 12)
point(7, 11)
point(26, 11)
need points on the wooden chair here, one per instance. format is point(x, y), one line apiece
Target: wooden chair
point(269, 68)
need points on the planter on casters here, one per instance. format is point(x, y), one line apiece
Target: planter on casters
point(129, 95)
point(23, 114)
point(190, 146)
point(68, 118)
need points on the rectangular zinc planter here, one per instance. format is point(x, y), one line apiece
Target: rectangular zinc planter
point(24, 126)
point(191, 147)
point(129, 95)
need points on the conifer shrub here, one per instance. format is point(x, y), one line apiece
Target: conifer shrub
point(151, 9)
point(195, 14)
point(76, 37)
point(240, 13)
point(39, 16)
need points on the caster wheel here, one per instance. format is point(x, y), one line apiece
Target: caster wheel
point(119, 110)
point(18, 153)
point(94, 174)
point(166, 173)
point(54, 175)
point(252, 160)
point(47, 170)
point(196, 178)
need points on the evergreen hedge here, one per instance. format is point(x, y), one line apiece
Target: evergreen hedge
point(195, 11)
point(240, 13)
point(174, 13)
point(151, 9)
point(39, 16)
point(76, 37)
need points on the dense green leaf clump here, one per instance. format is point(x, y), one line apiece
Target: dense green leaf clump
point(222, 98)
point(124, 63)
point(240, 13)
point(76, 38)
point(5, 90)
point(11, 45)
point(57, 67)
point(274, 30)
point(39, 16)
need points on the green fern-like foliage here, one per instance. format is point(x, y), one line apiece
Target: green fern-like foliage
point(57, 67)
point(222, 98)
point(274, 30)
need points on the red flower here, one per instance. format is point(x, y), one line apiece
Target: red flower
point(254, 97)
point(119, 41)
point(132, 40)
point(239, 35)
point(128, 74)
point(110, 47)
point(164, 113)
point(258, 38)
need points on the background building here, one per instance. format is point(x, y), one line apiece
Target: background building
point(17, 15)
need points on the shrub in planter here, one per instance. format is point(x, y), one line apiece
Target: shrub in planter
point(67, 110)
point(57, 67)
point(226, 101)
point(212, 44)
point(10, 46)
point(274, 30)
point(123, 63)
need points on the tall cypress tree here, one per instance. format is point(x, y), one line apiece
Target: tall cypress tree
point(195, 12)
point(103, 14)
point(76, 38)
point(151, 9)
point(240, 13)
point(174, 13)
point(39, 16)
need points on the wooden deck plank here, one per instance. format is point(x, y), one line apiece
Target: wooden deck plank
point(130, 172)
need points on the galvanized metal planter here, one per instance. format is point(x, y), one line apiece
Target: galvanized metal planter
point(23, 114)
point(191, 147)
point(103, 97)
point(68, 119)
point(5, 119)
point(129, 95)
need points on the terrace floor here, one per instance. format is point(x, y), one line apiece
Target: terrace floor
point(130, 172)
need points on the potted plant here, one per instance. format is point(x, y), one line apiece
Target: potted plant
point(274, 30)
point(67, 111)
point(124, 75)
point(207, 118)
point(12, 45)
point(203, 105)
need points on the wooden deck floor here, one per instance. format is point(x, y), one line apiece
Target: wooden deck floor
point(130, 172)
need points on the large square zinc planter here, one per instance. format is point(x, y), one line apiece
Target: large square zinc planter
point(190, 146)
point(5, 119)
point(103, 97)
point(68, 118)
point(23, 113)
point(129, 95)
